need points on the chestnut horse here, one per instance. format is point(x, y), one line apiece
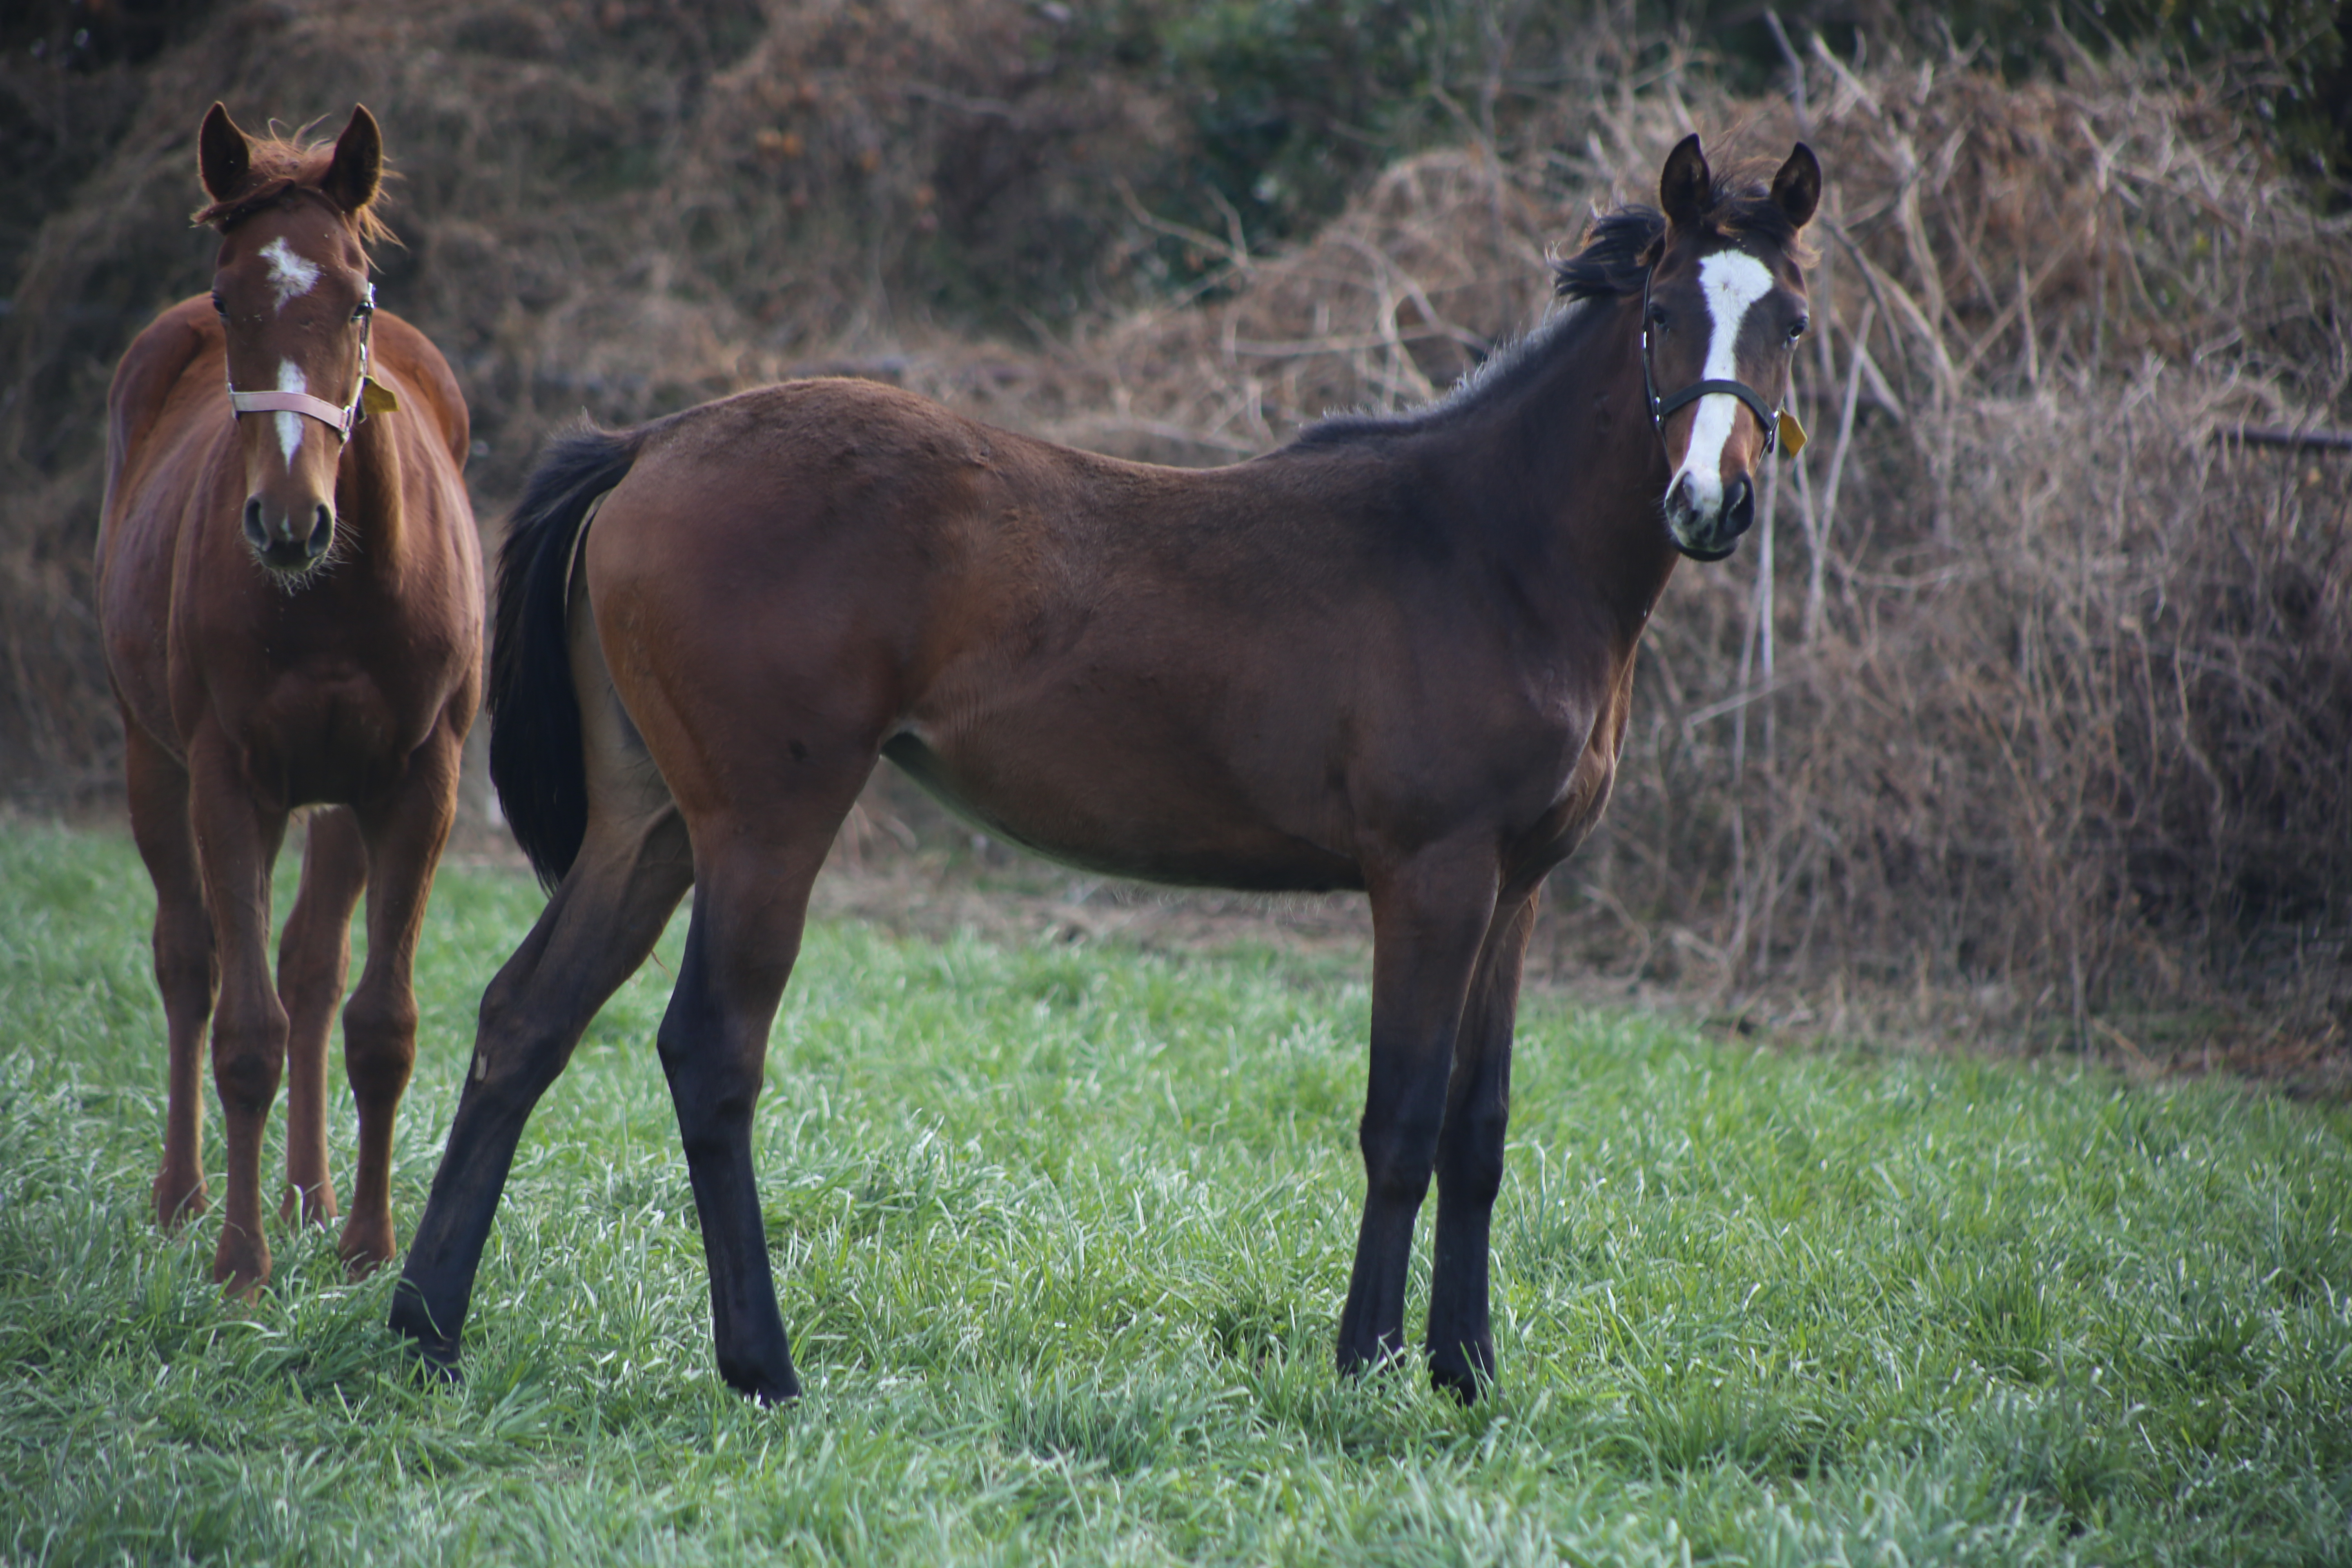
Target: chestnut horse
point(1394, 656)
point(290, 588)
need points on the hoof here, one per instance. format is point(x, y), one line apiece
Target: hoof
point(177, 1202)
point(1460, 1384)
point(366, 1247)
point(768, 1386)
point(1354, 1363)
point(240, 1264)
point(430, 1352)
point(1464, 1372)
point(429, 1369)
point(771, 1395)
point(310, 1205)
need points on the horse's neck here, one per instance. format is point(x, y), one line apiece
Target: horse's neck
point(372, 477)
point(1569, 486)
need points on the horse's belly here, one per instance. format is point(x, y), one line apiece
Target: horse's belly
point(1094, 815)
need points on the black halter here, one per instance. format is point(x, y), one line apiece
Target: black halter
point(1662, 406)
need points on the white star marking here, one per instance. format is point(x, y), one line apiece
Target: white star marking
point(292, 276)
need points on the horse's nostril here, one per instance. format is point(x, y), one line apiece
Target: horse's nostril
point(253, 529)
point(322, 531)
point(1739, 506)
point(1680, 499)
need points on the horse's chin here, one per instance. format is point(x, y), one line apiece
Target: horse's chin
point(292, 566)
point(1716, 544)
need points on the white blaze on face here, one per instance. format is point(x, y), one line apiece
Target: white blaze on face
point(289, 426)
point(1730, 281)
point(292, 276)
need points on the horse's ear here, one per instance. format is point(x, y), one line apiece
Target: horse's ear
point(1683, 189)
point(1797, 188)
point(357, 169)
point(223, 154)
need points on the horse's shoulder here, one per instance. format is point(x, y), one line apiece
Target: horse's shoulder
point(157, 360)
point(162, 354)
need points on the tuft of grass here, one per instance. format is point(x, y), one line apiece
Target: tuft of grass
point(1061, 1233)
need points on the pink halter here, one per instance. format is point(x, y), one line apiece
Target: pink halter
point(338, 420)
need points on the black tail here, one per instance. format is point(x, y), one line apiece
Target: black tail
point(535, 755)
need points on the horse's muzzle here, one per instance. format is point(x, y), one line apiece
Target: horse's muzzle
point(288, 542)
point(1706, 532)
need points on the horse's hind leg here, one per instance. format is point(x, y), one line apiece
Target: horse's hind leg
point(404, 835)
point(314, 956)
point(186, 971)
point(593, 934)
point(1470, 1159)
point(751, 903)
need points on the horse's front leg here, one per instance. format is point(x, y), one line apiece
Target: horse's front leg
point(404, 834)
point(1429, 918)
point(185, 970)
point(314, 957)
point(237, 842)
point(1470, 1158)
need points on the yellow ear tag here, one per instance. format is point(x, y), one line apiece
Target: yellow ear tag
point(1793, 432)
point(376, 399)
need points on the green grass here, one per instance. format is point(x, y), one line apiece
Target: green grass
point(1061, 1235)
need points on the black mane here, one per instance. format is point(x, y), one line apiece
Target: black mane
point(1616, 256)
point(1498, 369)
point(1614, 260)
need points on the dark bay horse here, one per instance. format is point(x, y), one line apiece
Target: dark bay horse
point(290, 588)
point(1393, 656)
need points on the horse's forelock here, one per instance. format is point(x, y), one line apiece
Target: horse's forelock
point(1620, 247)
point(279, 168)
point(1742, 205)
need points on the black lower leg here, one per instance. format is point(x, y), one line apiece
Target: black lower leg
point(436, 1281)
point(1461, 1344)
point(714, 1057)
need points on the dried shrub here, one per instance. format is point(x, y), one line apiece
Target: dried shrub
point(2044, 694)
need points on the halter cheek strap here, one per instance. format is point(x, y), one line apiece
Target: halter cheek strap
point(338, 419)
point(1780, 425)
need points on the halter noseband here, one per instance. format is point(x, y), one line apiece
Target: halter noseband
point(1770, 417)
point(338, 419)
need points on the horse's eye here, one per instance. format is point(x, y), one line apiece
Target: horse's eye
point(366, 309)
point(1658, 317)
point(1797, 328)
point(220, 307)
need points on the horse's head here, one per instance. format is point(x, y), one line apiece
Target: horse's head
point(292, 292)
point(1724, 306)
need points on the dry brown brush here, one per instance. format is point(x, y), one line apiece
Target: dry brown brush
point(2034, 700)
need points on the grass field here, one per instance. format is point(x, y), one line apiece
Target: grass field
point(1061, 1235)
